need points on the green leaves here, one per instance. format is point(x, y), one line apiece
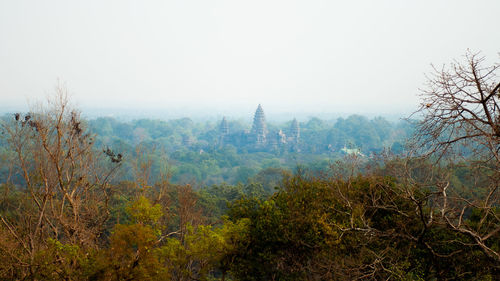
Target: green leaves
point(335, 229)
point(143, 212)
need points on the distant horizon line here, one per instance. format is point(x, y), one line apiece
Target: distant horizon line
point(224, 110)
point(129, 114)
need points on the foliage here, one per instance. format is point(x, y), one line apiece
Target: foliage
point(206, 162)
point(430, 215)
point(365, 227)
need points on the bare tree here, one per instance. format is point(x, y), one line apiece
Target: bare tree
point(66, 181)
point(459, 127)
point(461, 122)
point(460, 107)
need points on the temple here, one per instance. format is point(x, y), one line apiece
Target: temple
point(259, 138)
point(259, 130)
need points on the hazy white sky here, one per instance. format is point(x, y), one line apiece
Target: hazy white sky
point(307, 56)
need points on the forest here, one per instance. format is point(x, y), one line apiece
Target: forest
point(194, 153)
point(361, 199)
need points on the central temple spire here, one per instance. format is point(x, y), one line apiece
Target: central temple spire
point(259, 121)
point(259, 125)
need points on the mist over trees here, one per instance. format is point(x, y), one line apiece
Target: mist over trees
point(205, 159)
point(362, 199)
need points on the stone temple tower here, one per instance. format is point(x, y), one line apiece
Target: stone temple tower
point(259, 129)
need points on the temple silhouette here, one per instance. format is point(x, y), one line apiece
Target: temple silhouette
point(259, 138)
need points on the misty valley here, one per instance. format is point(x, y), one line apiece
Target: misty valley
point(232, 151)
point(346, 199)
point(226, 140)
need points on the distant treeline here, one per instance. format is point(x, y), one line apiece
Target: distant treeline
point(203, 159)
point(164, 200)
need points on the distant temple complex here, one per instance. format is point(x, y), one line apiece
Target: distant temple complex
point(259, 138)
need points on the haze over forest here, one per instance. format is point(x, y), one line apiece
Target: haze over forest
point(194, 58)
point(249, 140)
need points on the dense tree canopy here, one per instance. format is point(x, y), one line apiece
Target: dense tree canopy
point(143, 201)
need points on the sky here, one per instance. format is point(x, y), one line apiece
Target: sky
point(202, 56)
